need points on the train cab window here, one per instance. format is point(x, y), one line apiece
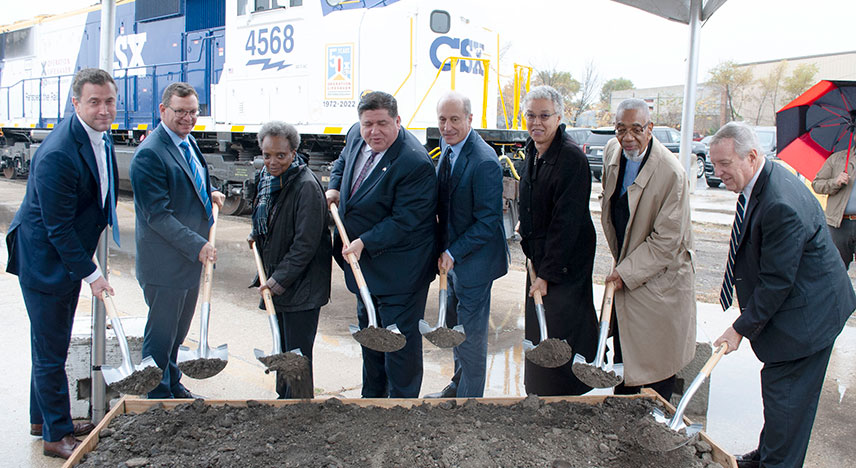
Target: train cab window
point(441, 22)
point(18, 43)
point(251, 6)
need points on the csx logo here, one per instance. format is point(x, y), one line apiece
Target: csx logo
point(460, 47)
point(129, 52)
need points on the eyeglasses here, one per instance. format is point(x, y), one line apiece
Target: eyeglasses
point(182, 113)
point(530, 117)
point(636, 130)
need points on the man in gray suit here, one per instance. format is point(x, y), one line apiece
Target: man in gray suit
point(172, 199)
point(472, 239)
point(792, 288)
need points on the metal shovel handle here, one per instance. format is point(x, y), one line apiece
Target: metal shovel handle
point(355, 267)
point(127, 365)
point(444, 286)
point(539, 303)
point(704, 373)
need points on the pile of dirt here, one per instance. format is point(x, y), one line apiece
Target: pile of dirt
point(595, 377)
point(380, 339)
point(139, 382)
point(332, 434)
point(202, 368)
point(550, 353)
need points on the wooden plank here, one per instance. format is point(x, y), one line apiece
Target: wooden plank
point(136, 406)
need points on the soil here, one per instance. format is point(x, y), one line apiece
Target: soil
point(444, 337)
point(551, 352)
point(332, 434)
point(289, 363)
point(202, 368)
point(595, 377)
point(140, 382)
point(380, 339)
point(658, 437)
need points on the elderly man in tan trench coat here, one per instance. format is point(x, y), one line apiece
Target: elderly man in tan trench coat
point(646, 220)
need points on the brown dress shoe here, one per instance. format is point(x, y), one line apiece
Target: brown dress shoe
point(62, 448)
point(80, 428)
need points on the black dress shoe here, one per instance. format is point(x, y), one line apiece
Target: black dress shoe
point(183, 392)
point(62, 448)
point(80, 428)
point(451, 391)
point(749, 460)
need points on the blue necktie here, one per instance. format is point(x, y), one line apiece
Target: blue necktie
point(112, 218)
point(726, 296)
point(197, 181)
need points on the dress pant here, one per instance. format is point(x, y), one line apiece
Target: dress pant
point(844, 238)
point(790, 391)
point(297, 331)
point(471, 306)
point(51, 318)
point(170, 313)
point(397, 374)
point(664, 387)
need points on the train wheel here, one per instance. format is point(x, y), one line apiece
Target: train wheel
point(234, 205)
point(9, 172)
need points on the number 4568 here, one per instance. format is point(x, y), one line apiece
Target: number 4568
point(273, 40)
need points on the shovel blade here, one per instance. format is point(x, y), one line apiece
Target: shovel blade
point(424, 327)
point(443, 337)
point(550, 353)
point(145, 377)
point(528, 346)
point(384, 340)
point(194, 365)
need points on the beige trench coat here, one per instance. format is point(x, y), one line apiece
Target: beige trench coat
point(656, 309)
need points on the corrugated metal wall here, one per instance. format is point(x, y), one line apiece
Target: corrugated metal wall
point(204, 14)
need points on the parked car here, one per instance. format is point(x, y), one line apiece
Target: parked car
point(593, 149)
point(767, 138)
point(579, 134)
point(706, 142)
point(671, 138)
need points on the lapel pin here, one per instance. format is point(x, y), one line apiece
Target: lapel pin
point(383, 170)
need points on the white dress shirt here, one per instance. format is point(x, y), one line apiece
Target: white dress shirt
point(96, 139)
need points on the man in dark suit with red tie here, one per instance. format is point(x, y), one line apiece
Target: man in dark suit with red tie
point(386, 188)
point(70, 199)
point(793, 291)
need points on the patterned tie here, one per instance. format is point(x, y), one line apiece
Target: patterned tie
point(444, 198)
point(197, 181)
point(726, 296)
point(112, 218)
point(363, 173)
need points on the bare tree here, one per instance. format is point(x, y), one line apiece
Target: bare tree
point(733, 81)
point(587, 92)
point(770, 86)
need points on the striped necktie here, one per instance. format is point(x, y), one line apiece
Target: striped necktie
point(363, 172)
point(197, 181)
point(110, 203)
point(726, 296)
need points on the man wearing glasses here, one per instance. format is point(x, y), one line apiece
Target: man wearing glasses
point(646, 220)
point(173, 202)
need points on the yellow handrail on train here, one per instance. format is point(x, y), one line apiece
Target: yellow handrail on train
point(410, 69)
point(453, 65)
point(510, 166)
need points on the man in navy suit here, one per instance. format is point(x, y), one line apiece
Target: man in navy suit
point(386, 188)
point(172, 200)
point(472, 239)
point(792, 288)
point(70, 199)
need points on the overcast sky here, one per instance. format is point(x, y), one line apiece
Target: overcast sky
point(624, 41)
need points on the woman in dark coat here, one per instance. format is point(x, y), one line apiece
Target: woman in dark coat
point(290, 231)
point(558, 237)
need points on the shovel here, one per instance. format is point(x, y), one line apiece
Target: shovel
point(293, 362)
point(550, 352)
point(384, 340)
point(442, 336)
point(664, 434)
point(598, 374)
point(128, 378)
point(204, 362)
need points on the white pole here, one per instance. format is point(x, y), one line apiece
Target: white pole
point(688, 114)
point(99, 337)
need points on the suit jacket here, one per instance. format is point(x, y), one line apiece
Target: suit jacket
point(172, 225)
point(555, 222)
point(54, 234)
point(476, 235)
point(793, 291)
point(393, 212)
point(656, 309)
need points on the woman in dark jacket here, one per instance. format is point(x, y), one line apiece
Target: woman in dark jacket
point(290, 231)
point(558, 237)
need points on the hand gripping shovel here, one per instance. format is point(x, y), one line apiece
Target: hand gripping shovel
point(292, 363)
point(128, 378)
point(442, 336)
point(662, 434)
point(598, 374)
point(385, 340)
point(550, 352)
point(204, 362)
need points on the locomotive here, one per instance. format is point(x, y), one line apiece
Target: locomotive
point(306, 62)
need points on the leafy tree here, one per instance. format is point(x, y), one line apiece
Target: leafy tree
point(615, 84)
point(770, 86)
point(563, 82)
point(802, 78)
point(734, 81)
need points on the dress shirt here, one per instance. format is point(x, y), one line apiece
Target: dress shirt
point(747, 191)
point(453, 157)
point(197, 159)
point(364, 155)
point(96, 139)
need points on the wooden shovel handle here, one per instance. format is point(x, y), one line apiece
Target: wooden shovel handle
point(208, 277)
point(443, 279)
point(714, 358)
point(606, 305)
point(109, 305)
point(532, 276)
point(262, 280)
point(351, 259)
